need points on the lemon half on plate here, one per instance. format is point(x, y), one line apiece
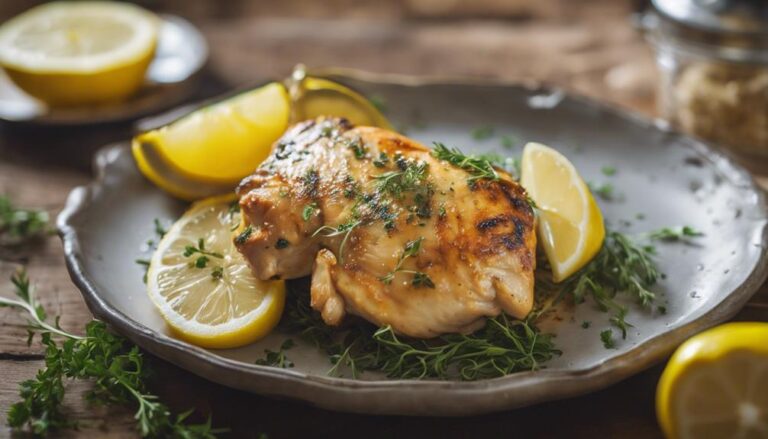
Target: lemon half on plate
point(73, 53)
point(570, 224)
point(203, 287)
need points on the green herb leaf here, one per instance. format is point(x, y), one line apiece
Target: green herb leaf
point(607, 338)
point(244, 235)
point(308, 211)
point(277, 358)
point(675, 233)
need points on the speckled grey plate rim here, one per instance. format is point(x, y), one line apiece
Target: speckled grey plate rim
point(409, 397)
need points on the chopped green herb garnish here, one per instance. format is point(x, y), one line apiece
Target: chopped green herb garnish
point(608, 171)
point(478, 168)
point(661, 309)
point(244, 235)
point(217, 273)
point(309, 210)
point(277, 358)
point(396, 183)
point(358, 148)
point(675, 234)
point(203, 255)
point(382, 160)
point(482, 133)
point(607, 338)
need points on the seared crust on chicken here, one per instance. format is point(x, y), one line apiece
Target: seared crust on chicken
point(388, 232)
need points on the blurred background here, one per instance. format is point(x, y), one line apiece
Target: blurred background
point(588, 46)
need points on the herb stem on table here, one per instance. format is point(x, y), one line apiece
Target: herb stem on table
point(116, 367)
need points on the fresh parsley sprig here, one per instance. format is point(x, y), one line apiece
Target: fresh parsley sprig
point(115, 366)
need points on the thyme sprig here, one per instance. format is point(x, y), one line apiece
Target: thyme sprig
point(277, 358)
point(115, 366)
point(478, 167)
point(411, 248)
point(501, 347)
point(344, 228)
point(620, 267)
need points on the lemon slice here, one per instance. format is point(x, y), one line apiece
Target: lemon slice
point(72, 53)
point(716, 385)
point(570, 225)
point(203, 287)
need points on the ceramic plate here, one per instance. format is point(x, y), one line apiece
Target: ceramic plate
point(662, 179)
point(181, 53)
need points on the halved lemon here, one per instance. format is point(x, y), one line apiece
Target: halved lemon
point(716, 385)
point(570, 224)
point(210, 150)
point(203, 287)
point(73, 53)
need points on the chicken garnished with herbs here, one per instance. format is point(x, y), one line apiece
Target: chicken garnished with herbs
point(428, 242)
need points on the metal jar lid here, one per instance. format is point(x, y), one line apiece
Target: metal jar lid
point(736, 29)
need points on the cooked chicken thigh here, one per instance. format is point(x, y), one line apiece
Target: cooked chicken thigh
point(388, 231)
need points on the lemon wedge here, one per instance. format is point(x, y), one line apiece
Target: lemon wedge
point(74, 53)
point(313, 97)
point(209, 151)
point(203, 287)
point(716, 385)
point(219, 144)
point(570, 224)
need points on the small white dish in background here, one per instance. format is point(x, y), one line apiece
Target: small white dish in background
point(181, 53)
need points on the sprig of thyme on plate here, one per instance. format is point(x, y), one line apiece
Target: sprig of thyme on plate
point(501, 347)
point(115, 366)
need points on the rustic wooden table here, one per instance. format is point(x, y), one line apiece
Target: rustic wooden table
point(588, 47)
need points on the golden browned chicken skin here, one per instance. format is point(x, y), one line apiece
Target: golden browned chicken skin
point(388, 232)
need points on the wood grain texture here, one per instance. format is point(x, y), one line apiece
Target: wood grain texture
point(586, 46)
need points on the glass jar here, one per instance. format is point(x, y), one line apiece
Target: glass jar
point(713, 61)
